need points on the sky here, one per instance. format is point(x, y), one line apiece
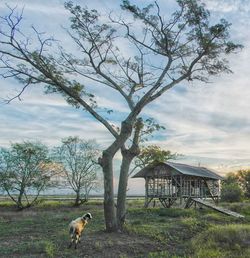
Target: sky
point(209, 124)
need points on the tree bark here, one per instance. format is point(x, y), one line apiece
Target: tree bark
point(109, 203)
point(127, 157)
point(122, 188)
point(107, 166)
point(20, 197)
point(77, 200)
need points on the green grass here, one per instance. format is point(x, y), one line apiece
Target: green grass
point(172, 227)
point(241, 207)
point(177, 227)
point(7, 204)
point(42, 231)
point(231, 240)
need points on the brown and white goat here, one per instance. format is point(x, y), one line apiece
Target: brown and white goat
point(76, 228)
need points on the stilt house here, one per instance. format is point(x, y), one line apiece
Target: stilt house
point(170, 182)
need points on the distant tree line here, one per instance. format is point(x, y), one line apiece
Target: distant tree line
point(28, 168)
point(236, 186)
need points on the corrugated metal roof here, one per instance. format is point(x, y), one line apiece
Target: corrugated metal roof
point(181, 168)
point(194, 171)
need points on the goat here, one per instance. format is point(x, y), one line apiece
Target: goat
point(76, 227)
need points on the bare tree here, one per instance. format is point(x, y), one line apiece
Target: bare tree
point(165, 52)
point(25, 171)
point(79, 161)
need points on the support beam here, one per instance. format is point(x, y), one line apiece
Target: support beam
point(181, 190)
point(148, 202)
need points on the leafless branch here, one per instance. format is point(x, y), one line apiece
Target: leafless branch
point(18, 96)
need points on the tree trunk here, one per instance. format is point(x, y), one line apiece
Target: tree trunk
point(107, 166)
point(127, 157)
point(19, 200)
point(122, 189)
point(109, 203)
point(77, 200)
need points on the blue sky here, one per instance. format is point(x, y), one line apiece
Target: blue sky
point(208, 123)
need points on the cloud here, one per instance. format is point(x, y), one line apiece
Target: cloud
point(228, 6)
point(46, 7)
point(208, 123)
point(211, 122)
point(47, 122)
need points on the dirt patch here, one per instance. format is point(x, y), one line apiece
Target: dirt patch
point(114, 245)
point(43, 232)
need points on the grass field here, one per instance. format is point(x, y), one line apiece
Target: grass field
point(42, 231)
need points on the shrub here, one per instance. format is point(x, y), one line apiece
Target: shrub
point(231, 192)
point(223, 241)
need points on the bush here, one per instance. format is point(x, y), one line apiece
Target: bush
point(223, 241)
point(231, 192)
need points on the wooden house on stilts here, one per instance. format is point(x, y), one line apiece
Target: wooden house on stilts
point(170, 182)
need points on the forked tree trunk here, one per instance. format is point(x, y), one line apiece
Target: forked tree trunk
point(127, 157)
point(107, 166)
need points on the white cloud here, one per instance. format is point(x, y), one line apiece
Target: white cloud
point(207, 123)
point(228, 6)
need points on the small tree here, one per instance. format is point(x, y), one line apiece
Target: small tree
point(243, 177)
point(230, 178)
point(152, 154)
point(79, 161)
point(25, 169)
